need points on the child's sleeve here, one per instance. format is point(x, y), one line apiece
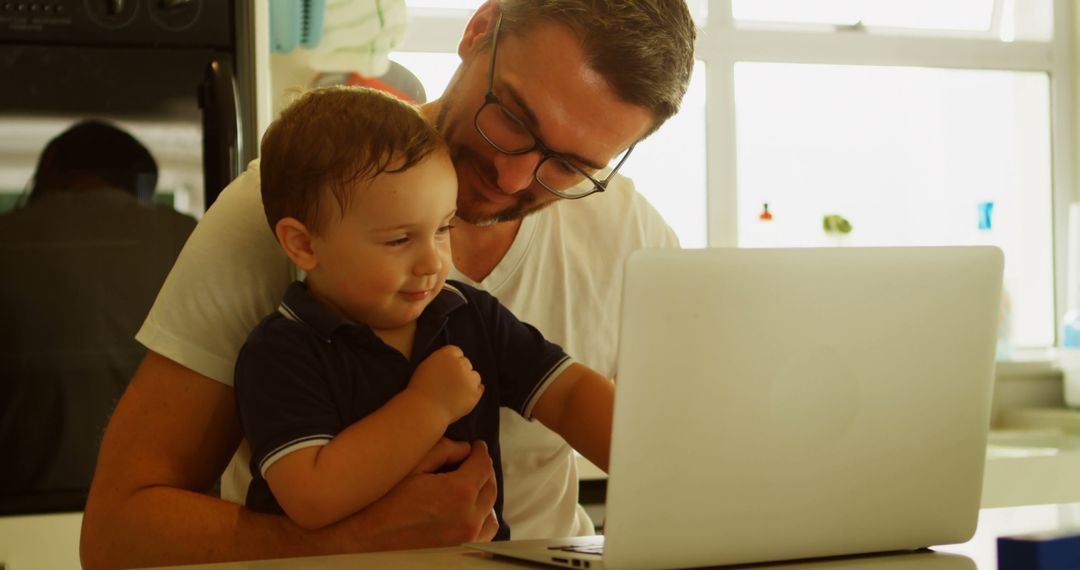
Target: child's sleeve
point(527, 362)
point(283, 398)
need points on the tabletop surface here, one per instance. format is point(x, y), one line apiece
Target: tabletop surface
point(979, 553)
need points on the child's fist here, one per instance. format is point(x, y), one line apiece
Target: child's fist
point(447, 379)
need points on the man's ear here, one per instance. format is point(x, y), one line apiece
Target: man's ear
point(296, 240)
point(477, 30)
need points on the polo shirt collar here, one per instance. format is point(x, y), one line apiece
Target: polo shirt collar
point(299, 305)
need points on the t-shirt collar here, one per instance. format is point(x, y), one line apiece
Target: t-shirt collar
point(299, 305)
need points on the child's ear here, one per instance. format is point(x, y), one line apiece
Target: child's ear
point(296, 240)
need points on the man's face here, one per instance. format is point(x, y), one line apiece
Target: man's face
point(543, 79)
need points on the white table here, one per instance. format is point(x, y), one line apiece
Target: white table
point(978, 553)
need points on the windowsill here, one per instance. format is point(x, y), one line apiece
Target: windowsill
point(1033, 453)
point(1037, 422)
point(1034, 460)
point(1022, 433)
point(1029, 362)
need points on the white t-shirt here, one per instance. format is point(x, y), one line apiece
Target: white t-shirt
point(563, 274)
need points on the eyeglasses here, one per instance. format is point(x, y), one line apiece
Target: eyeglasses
point(508, 134)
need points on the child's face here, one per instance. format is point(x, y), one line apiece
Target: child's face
point(388, 256)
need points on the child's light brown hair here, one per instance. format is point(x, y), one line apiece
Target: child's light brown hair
point(330, 140)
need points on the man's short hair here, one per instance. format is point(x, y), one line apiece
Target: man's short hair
point(330, 140)
point(643, 48)
point(94, 155)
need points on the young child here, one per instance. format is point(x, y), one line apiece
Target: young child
point(376, 356)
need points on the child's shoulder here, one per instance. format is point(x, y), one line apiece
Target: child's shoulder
point(278, 328)
point(460, 289)
point(276, 341)
point(470, 294)
point(481, 305)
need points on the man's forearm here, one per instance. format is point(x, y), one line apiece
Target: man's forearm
point(171, 434)
point(164, 526)
point(167, 526)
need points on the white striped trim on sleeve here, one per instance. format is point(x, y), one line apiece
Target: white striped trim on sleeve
point(550, 377)
point(287, 448)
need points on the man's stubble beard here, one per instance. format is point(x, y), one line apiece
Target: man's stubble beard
point(463, 157)
point(471, 202)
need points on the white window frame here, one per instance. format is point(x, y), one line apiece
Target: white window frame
point(721, 44)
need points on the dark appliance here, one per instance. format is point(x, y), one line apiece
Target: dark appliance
point(169, 59)
point(149, 62)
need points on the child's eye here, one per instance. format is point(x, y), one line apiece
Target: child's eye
point(443, 233)
point(397, 242)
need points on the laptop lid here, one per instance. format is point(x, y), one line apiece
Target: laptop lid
point(788, 403)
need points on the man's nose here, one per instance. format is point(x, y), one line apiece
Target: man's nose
point(516, 172)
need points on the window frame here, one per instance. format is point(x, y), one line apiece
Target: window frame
point(722, 43)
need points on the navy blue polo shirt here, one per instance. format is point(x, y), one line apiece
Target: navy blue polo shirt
point(306, 373)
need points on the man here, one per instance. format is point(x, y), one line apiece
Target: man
point(572, 86)
point(83, 260)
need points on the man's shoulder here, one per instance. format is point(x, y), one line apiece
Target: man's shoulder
point(243, 195)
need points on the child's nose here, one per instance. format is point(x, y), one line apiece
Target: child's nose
point(429, 262)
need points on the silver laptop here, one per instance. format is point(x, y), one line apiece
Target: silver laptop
point(778, 404)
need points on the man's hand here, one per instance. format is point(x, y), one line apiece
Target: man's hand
point(446, 453)
point(430, 509)
point(447, 380)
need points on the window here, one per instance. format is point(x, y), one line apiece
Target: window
point(445, 4)
point(907, 156)
point(905, 118)
point(1004, 19)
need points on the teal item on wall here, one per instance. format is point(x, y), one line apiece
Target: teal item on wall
point(296, 23)
point(986, 216)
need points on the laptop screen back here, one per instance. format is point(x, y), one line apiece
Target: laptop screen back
point(789, 403)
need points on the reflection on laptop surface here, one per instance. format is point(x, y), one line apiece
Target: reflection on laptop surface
point(778, 404)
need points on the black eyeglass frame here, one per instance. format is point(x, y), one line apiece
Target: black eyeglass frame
point(490, 98)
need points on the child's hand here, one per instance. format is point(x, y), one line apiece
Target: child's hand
point(448, 380)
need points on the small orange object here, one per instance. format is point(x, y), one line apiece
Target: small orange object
point(765, 214)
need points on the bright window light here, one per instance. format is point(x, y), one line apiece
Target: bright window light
point(434, 70)
point(668, 168)
point(906, 155)
point(1016, 19)
point(924, 14)
point(447, 4)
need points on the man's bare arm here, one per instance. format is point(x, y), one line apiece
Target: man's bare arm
point(168, 441)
